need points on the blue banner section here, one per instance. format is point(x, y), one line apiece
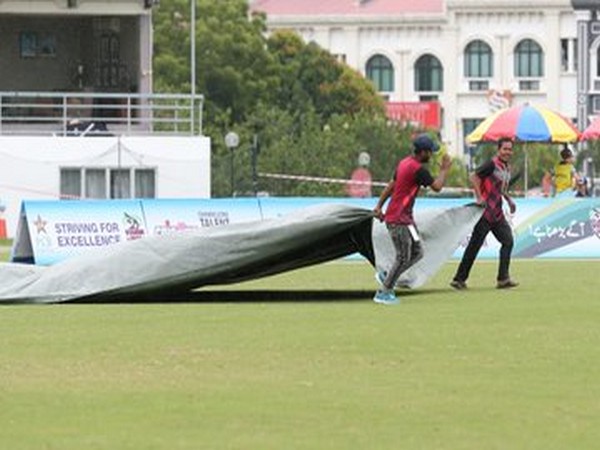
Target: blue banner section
point(60, 229)
point(55, 230)
point(177, 215)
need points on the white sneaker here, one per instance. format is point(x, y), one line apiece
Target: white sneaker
point(386, 297)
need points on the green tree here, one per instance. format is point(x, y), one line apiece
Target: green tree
point(311, 114)
point(234, 70)
point(311, 77)
point(171, 65)
point(591, 152)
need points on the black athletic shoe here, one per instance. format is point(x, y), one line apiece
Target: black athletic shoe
point(458, 285)
point(506, 284)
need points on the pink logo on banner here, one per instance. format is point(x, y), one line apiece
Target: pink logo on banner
point(133, 227)
point(595, 221)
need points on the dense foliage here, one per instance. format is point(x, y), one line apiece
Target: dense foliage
point(310, 114)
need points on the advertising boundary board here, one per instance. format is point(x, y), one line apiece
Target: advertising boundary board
point(51, 231)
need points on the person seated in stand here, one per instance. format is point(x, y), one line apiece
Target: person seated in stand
point(582, 188)
point(547, 184)
point(565, 175)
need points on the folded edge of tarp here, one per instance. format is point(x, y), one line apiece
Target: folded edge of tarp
point(441, 233)
point(184, 261)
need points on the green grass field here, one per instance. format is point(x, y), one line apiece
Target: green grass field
point(481, 369)
point(5, 245)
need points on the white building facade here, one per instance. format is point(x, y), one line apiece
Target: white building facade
point(472, 56)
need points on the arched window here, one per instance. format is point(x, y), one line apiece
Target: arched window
point(381, 72)
point(429, 74)
point(529, 59)
point(594, 63)
point(479, 60)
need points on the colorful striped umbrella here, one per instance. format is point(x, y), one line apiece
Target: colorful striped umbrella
point(592, 132)
point(525, 123)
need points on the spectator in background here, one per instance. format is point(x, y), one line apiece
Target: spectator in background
point(547, 184)
point(582, 188)
point(565, 175)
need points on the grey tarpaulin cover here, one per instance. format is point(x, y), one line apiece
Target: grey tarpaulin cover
point(231, 254)
point(441, 232)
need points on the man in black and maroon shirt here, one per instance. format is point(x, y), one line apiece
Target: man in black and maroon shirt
point(408, 178)
point(490, 183)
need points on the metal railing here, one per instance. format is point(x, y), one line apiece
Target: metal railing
point(76, 113)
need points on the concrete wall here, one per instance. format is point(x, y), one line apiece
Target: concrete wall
point(76, 32)
point(93, 7)
point(75, 44)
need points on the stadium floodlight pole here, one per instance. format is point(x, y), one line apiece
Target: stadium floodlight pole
point(193, 63)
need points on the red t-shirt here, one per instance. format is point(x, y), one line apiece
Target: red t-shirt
point(409, 176)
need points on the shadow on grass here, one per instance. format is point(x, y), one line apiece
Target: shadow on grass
point(254, 296)
point(266, 296)
point(236, 297)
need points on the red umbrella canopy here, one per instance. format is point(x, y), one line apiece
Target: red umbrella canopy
point(592, 132)
point(526, 123)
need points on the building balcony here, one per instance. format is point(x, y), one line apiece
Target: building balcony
point(94, 114)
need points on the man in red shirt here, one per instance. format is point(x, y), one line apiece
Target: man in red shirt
point(406, 182)
point(490, 183)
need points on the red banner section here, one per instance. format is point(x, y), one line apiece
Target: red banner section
point(417, 114)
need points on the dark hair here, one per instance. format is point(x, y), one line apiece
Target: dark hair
point(566, 152)
point(502, 140)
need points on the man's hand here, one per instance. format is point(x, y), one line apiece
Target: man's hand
point(512, 207)
point(446, 162)
point(439, 182)
point(378, 213)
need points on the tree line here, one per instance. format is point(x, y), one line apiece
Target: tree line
point(296, 109)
